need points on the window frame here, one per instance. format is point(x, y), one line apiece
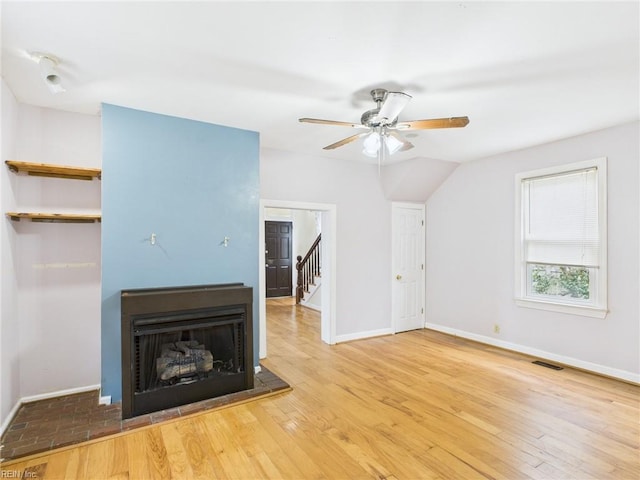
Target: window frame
point(599, 308)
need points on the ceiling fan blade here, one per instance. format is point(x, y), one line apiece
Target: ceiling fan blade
point(331, 122)
point(344, 141)
point(406, 144)
point(453, 122)
point(393, 104)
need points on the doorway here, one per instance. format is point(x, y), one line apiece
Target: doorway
point(328, 213)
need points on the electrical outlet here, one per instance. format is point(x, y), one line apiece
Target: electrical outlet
point(496, 328)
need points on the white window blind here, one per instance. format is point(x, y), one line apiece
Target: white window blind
point(561, 219)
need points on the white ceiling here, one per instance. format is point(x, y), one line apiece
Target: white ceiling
point(525, 73)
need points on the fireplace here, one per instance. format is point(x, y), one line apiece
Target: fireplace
point(184, 344)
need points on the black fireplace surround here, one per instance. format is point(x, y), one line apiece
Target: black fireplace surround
point(184, 344)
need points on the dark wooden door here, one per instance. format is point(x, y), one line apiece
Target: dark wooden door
point(279, 259)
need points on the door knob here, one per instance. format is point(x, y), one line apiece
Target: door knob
point(398, 277)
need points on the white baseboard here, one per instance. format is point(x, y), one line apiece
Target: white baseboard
point(257, 369)
point(7, 420)
point(361, 335)
point(310, 305)
point(43, 396)
point(106, 400)
point(569, 361)
point(59, 393)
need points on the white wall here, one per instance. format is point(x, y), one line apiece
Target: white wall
point(57, 264)
point(363, 237)
point(9, 324)
point(306, 227)
point(470, 257)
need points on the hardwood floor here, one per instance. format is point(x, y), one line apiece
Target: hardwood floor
point(418, 405)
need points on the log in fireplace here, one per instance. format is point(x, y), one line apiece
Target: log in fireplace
point(184, 344)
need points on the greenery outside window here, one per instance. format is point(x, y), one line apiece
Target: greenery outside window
point(561, 249)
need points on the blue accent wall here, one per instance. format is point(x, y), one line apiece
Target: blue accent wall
point(191, 184)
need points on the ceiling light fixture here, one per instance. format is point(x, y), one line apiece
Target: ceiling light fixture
point(382, 136)
point(379, 140)
point(50, 75)
point(48, 70)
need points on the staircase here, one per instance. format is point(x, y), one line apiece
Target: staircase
point(308, 273)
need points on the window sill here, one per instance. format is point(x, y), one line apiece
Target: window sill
point(581, 310)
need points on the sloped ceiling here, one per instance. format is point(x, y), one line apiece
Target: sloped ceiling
point(414, 180)
point(525, 73)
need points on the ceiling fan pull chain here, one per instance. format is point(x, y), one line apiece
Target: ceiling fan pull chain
point(381, 150)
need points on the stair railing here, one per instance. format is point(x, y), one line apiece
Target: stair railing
point(308, 268)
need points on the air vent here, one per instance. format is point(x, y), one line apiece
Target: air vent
point(548, 365)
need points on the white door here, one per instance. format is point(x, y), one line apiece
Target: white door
point(408, 245)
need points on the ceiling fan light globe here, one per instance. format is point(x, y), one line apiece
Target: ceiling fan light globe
point(392, 144)
point(371, 145)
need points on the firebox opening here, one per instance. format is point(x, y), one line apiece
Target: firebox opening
point(177, 355)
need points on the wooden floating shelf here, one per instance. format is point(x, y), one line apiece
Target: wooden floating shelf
point(55, 217)
point(57, 171)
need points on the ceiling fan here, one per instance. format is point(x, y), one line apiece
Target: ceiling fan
point(382, 124)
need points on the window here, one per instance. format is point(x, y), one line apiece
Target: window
point(561, 249)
